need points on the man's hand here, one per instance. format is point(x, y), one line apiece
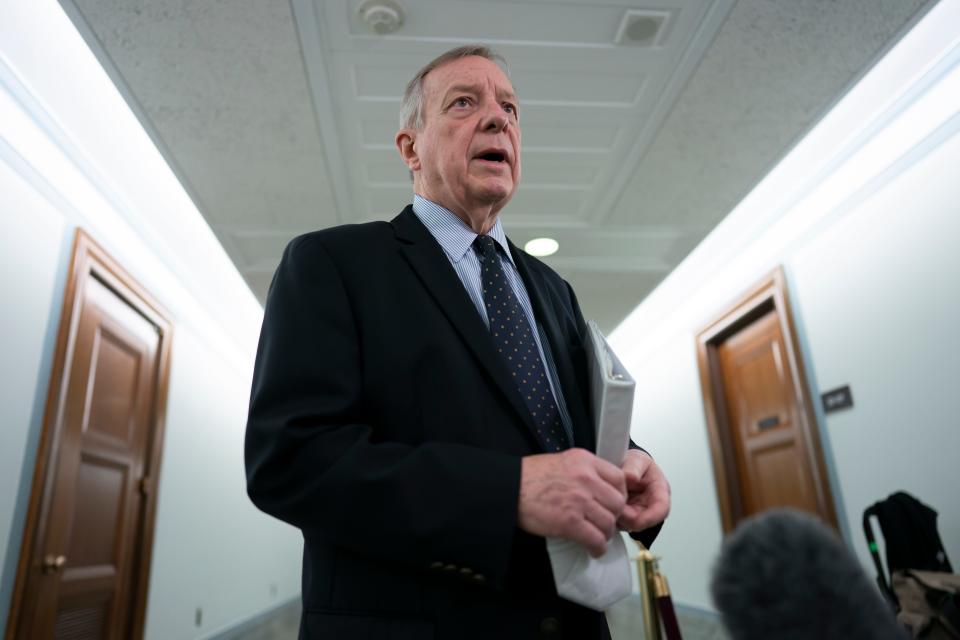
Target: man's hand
point(648, 493)
point(572, 494)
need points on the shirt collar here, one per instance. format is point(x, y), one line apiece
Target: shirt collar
point(451, 232)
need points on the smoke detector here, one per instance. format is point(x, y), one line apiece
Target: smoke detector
point(381, 16)
point(642, 28)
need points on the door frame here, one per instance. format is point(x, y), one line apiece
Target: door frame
point(89, 260)
point(770, 293)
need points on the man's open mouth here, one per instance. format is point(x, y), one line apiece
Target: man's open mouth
point(492, 156)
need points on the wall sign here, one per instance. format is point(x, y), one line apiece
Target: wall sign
point(836, 399)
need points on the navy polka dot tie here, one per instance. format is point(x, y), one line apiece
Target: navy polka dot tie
point(516, 345)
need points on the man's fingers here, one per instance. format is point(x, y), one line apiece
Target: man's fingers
point(628, 516)
point(573, 495)
point(609, 498)
point(659, 506)
point(648, 502)
point(604, 481)
point(650, 510)
point(602, 519)
point(587, 534)
point(611, 474)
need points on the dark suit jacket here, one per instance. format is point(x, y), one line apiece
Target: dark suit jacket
point(385, 426)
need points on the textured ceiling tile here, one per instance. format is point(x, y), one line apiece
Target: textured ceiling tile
point(223, 84)
point(268, 78)
point(568, 169)
point(594, 291)
point(390, 170)
point(204, 24)
point(258, 191)
point(384, 203)
point(261, 248)
point(773, 69)
point(703, 194)
point(595, 135)
point(546, 203)
point(259, 282)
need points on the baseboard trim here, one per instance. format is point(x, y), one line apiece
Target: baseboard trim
point(697, 612)
point(232, 631)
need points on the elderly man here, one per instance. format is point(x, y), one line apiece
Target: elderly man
point(419, 406)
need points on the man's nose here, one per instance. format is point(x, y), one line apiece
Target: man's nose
point(494, 119)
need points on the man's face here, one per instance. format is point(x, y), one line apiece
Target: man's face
point(468, 152)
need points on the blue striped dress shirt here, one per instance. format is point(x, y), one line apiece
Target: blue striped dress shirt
point(456, 239)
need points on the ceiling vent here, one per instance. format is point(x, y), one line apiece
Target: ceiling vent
point(381, 16)
point(642, 28)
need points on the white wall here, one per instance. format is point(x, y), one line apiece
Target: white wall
point(879, 294)
point(32, 241)
point(213, 549)
point(863, 216)
point(72, 154)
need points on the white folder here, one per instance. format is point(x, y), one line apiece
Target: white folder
point(598, 583)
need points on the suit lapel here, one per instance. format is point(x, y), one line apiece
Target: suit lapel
point(544, 313)
point(432, 267)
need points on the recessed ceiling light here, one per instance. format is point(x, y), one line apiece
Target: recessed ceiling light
point(541, 247)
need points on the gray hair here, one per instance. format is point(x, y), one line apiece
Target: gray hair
point(411, 109)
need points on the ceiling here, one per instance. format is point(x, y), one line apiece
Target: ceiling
point(278, 116)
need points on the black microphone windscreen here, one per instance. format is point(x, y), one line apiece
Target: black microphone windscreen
point(785, 575)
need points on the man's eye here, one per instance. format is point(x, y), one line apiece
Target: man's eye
point(509, 108)
point(462, 102)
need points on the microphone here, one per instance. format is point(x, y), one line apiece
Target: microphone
point(785, 575)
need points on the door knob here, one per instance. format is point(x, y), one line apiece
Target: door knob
point(52, 563)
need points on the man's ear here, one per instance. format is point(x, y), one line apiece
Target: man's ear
point(405, 145)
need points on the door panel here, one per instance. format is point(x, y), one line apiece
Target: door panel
point(80, 623)
point(116, 372)
point(781, 480)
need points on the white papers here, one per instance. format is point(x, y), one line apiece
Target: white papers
point(597, 583)
point(600, 582)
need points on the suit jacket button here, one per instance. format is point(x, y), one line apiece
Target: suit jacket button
point(436, 565)
point(549, 627)
point(479, 578)
point(450, 567)
point(466, 572)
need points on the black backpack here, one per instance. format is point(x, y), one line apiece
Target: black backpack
point(910, 533)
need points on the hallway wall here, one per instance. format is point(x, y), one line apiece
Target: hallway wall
point(63, 130)
point(862, 214)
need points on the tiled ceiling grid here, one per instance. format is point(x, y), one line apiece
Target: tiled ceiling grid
point(589, 107)
point(279, 115)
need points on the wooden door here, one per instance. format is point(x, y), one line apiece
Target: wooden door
point(86, 549)
point(772, 463)
point(763, 437)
